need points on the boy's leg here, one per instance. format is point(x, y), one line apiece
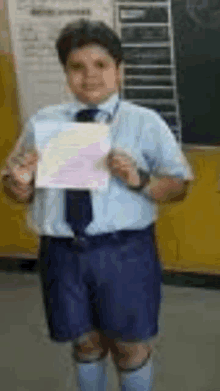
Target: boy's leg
point(134, 364)
point(91, 358)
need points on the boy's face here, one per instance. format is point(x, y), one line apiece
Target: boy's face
point(92, 74)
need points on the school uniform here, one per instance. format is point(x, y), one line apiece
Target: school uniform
point(107, 277)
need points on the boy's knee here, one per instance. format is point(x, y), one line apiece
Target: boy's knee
point(129, 356)
point(90, 347)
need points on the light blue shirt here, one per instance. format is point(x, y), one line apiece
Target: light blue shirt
point(139, 131)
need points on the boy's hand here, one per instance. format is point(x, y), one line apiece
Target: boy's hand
point(22, 168)
point(19, 173)
point(124, 167)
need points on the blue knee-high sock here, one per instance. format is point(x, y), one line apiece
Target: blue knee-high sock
point(92, 376)
point(139, 379)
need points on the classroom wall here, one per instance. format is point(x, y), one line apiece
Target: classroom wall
point(16, 240)
point(188, 231)
point(5, 41)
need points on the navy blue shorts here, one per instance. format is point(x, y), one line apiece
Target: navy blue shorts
point(111, 284)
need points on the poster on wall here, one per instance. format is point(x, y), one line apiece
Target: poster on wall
point(144, 34)
point(35, 25)
point(143, 15)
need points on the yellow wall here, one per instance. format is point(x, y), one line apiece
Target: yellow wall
point(188, 232)
point(15, 238)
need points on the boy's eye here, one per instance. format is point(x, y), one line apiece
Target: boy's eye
point(101, 64)
point(76, 67)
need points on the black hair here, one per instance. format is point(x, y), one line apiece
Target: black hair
point(78, 34)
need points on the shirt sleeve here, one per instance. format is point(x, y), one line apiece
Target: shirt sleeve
point(166, 156)
point(24, 144)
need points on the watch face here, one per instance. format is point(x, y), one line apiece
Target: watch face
point(144, 177)
point(137, 189)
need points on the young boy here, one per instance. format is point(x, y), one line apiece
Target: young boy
point(100, 271)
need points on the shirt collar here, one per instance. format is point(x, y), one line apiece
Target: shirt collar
point(108, 106)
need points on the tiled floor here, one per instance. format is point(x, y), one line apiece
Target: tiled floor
point(187, 357)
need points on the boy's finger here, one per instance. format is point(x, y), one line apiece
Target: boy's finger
point(32, 153)
point(5, 171)
point(123, 156)
point(124, 166)
point(29, 160)
point(123, 160)
point(31, 156)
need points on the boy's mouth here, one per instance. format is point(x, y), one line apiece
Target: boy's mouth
point(91, 87)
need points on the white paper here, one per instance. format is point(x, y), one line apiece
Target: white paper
point(72, 155)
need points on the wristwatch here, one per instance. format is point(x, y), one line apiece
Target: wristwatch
point(144, 177)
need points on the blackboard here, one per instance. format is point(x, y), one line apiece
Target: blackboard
point(197, 52)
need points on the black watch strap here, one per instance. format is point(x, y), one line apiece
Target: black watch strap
point(144, 177)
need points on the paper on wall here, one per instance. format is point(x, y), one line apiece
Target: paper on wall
point(35, 25)
point(72, 154)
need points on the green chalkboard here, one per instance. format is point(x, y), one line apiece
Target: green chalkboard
point(197, 52)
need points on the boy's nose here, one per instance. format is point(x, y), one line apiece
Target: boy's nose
point(90, 72)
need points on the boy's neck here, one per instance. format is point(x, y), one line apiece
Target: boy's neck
point(104, 100)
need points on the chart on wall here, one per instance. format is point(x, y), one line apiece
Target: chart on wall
point(146, 32)
point(35, 25)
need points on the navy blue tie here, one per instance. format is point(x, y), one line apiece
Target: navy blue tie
point(78, 202)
